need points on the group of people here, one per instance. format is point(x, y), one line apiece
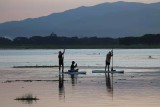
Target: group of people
point(74, 65)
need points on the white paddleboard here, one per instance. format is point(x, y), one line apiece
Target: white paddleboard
point(103, 71)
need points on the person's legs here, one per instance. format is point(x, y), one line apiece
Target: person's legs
point(62, 67)
point(107, 65)
point(59, 65)
point(76, 70)
point(59, 68)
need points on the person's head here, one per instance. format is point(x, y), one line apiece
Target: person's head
point(73, 62)
point(60, 52)
point(109, 53)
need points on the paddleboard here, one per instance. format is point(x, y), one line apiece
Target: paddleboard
point(75, 72)
point(103, 71)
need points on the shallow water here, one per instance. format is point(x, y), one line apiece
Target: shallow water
point(134, 88)
point(131, 89)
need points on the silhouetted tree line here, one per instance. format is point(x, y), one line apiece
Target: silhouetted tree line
point(148, 39)
point(5, 41)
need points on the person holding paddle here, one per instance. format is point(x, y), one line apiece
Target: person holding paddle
point(73, 67)
point(61, 57)
point(108, 59)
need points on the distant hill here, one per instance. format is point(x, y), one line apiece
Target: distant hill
point(118, 19)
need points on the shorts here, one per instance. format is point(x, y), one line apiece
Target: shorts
point(60, 62)
point(107, 63)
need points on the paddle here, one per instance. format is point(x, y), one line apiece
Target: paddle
point(112, 61)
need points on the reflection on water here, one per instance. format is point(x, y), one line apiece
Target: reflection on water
point(61, 86)
point(109, 83)
point(96, 90)
point(74, 79)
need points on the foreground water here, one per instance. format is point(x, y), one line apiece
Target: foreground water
point(131, 89)
point(137, 87)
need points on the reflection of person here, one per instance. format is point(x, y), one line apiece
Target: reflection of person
point(61, 57)
point(61, 86)
point(109, 84)
point(108, 81)
point(73, 66)
point(108, 59)
point(74, 79)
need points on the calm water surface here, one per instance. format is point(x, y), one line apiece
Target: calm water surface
point(84, 57)
point(134, 88)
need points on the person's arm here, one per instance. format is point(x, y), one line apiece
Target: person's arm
point(111, 52)
point(76, 65)
point(63, 51)
point(106, 57)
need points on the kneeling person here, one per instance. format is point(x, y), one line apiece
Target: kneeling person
point(73, 67)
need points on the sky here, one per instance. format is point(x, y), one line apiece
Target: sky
point(15, 10)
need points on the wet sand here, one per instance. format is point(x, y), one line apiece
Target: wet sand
point(134, 88)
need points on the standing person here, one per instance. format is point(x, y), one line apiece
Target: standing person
point(108, 59)
point(61, 57)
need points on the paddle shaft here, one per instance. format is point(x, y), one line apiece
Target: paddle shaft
point(112, 60)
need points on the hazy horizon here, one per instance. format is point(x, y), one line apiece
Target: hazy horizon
point(14, 10)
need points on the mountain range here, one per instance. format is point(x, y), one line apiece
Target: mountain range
point(118, 19)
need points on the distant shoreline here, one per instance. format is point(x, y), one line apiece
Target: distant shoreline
point(80, 46)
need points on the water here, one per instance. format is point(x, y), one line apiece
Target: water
point(84, 57)
point(135, 88)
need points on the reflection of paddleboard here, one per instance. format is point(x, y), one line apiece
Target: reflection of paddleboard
point(103, 71)
point(72, 72)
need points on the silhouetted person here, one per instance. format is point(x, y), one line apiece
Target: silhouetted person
point(73, 67)
point(61, 57)
point(108, 59)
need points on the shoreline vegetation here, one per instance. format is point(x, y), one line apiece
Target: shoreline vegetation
point(148, 41)
point(27, 97)
point(80, 47)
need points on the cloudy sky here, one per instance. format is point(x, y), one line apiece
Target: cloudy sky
point(21, 9)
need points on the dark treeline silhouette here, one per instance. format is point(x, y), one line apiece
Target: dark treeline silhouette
point(148, 39)
point(55, 40)
point(5, 41)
